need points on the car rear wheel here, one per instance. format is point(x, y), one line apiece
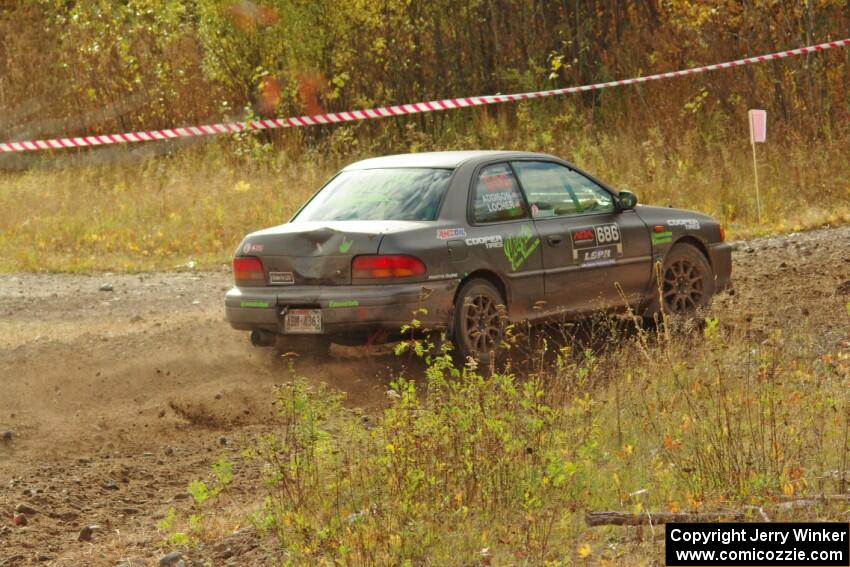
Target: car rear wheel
point(687, 281)
point(479, 322)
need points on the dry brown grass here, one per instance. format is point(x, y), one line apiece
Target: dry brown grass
point(127, 213)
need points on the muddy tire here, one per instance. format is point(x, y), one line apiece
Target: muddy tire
point(478, 321)
point(687, 282)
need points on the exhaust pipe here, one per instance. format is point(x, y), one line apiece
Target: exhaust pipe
point(263, 338)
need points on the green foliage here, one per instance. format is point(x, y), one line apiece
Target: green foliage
point(447, 460)
point(192, 529)
point(711, 330)
point(223, 471)
point(199, 491)
point(464, 466)
point(168, 526)
point(150, 64)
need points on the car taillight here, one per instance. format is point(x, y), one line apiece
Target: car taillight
point(389, 266)
point(248, 269)
point(722, 233)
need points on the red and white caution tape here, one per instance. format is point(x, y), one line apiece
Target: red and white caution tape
point(383, 111)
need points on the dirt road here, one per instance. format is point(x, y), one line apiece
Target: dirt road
point(117, 390)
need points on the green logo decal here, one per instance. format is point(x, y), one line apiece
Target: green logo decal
point(334, 304)
point(345, 245)
point(662, 237)
point(519, 247)
point(255, 304)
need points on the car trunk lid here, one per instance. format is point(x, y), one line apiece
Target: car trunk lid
point(316, 253)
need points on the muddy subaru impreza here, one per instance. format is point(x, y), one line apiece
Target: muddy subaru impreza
point(453, 236)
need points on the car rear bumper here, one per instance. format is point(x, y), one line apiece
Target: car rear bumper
point(720, 255)
point(344, 308)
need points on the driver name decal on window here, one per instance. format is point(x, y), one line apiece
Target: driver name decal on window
point(497, 195)
point(500, 194)
point(496, 202)
point(596, 245)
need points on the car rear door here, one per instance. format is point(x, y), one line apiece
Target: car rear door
point(502, 237)
point(588, 244)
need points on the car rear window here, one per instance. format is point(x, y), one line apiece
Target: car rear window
point(379, 194)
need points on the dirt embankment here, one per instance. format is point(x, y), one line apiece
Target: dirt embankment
point(113, 399)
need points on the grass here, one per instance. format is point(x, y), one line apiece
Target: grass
point(474, 467)
point(155, 214)
point(130, 210)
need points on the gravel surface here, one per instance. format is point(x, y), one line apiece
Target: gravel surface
point(118, 390)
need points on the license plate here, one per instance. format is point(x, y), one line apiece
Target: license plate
point(303, 321)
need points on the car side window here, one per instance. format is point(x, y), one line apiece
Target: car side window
point(497, 195)
point(555, 190)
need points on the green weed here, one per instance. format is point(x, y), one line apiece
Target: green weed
point(498, 465)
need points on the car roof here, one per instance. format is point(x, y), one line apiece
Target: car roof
point(446, 160)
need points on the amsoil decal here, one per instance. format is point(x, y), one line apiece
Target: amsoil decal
point(596, 245)
point(446, 233)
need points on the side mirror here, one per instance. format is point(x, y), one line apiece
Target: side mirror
point(628, 200)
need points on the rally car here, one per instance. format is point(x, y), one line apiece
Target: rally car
point(463, 241)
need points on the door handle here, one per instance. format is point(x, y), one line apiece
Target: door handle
point(555, 239)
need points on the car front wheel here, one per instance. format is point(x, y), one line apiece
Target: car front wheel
point(687, 280)
point(479, 321)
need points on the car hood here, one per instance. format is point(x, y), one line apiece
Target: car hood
point(681, 222)
point(647, 211)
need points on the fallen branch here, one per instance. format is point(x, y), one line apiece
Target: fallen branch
point(617, 518)
point(614, 518)
point(815, 497)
